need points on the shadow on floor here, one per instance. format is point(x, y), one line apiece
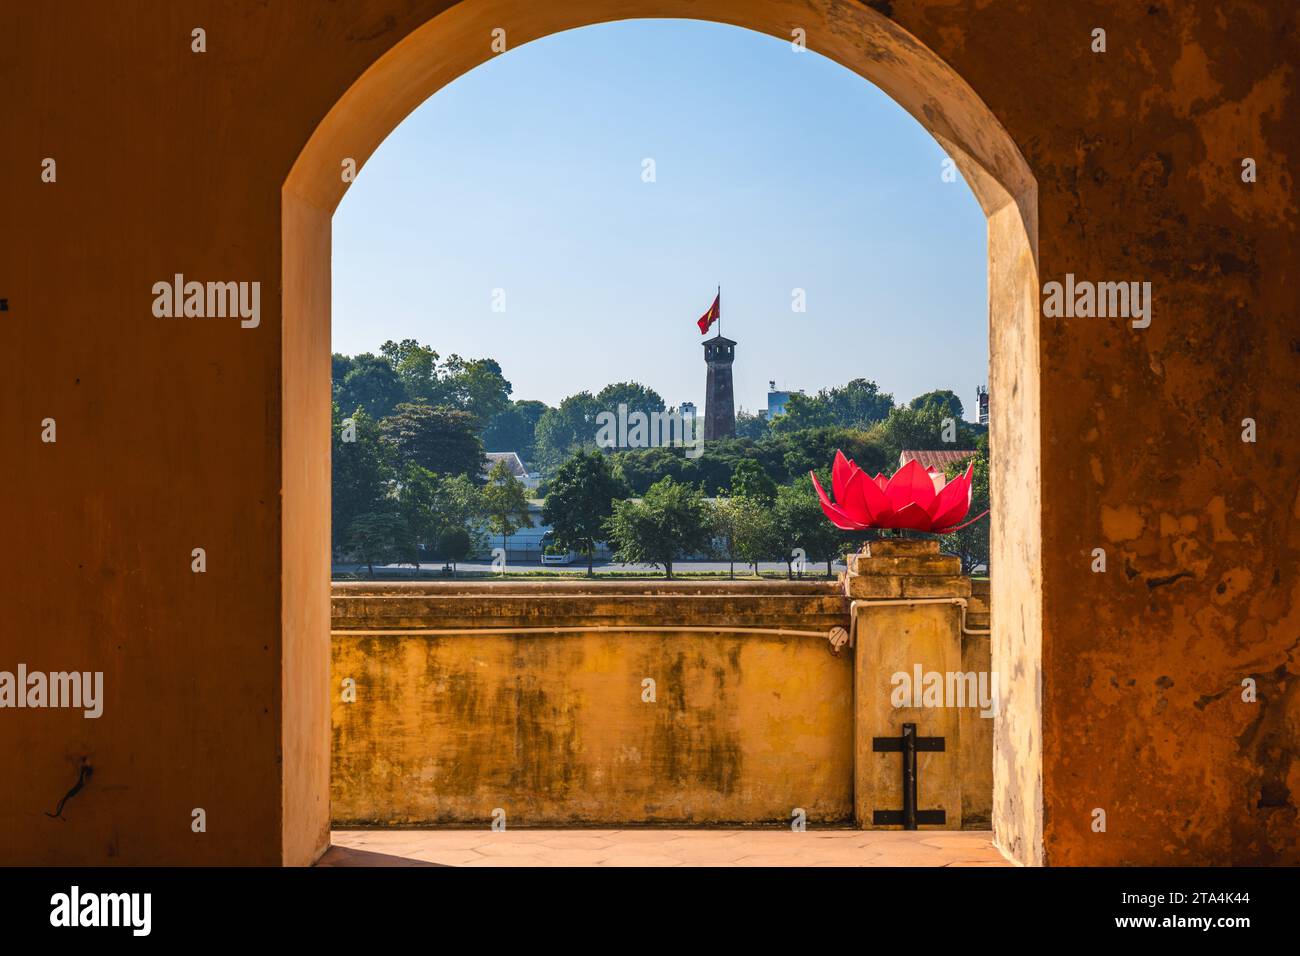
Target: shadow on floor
point(350, 856)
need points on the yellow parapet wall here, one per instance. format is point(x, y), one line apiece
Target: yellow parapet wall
point(571, 705)
point(922, 659)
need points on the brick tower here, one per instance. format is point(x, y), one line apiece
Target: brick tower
point(719, 399)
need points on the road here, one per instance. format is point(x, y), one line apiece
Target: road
point(398, 571)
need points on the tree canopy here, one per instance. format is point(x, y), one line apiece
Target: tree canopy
point(670, 522)
point(562, 431)
point(579, 501)
point(410, 428)
point(443, 440)
point(505, 503)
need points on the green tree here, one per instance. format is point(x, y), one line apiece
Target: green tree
point(360, 471)
point(857, 404)
point(379, 536)
point(475, 386)
point(505, 503)
point(749, 424)
point(369, 383)
point(458, 518)
point(723, 525)
point(784, 458)
point(579, 500)
point(743, 526)
point(668, 523)
point(340, 365)
point(799, 523)
point(634, 395)
point(416, 366)
point(443, 440)
point(639, 468)
point(417, 491)
point(513, 429)
point(815, 449)
point(945, 400)
point(923, 429)
point(756, 540)
point(750, 480)
point(790, 526)
point(456, 545)
point(801, 412)
point(971, 544)
point(562, 431)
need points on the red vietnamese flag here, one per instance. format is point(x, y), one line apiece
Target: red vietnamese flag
point(714, 313)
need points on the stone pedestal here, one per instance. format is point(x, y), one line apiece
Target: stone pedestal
point(907, 624)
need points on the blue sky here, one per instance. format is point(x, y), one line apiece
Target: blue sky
point(774, 171)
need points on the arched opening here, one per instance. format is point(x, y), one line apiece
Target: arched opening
point(858, 39)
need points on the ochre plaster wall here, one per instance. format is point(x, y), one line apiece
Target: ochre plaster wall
point(530, 697)
point(554, 729)
point(453, 700)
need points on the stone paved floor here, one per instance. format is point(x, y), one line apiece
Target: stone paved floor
point(661, 848)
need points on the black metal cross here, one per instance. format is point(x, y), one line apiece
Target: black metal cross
point(908, 745)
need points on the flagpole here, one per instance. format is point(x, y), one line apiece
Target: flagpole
point(719, 311)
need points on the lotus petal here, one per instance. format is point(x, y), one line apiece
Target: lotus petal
point(964, 524)
point(841, 470)
point(854, 502)
point(915, 498)
point(836, 515)
point(913, 517)
point(839, 519)
point(877, 503)
point(954, 501)
point(911, 484)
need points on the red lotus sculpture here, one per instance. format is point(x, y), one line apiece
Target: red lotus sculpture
point(916, 498)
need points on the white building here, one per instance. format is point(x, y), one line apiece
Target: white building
point(531, 479)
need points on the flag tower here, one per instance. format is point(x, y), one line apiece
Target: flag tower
point(719, 396)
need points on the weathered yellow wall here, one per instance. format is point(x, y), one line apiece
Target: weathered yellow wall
point(911, 609)
point(528, 697)
point(977, 731)
point(552, 728)
point(890, 639)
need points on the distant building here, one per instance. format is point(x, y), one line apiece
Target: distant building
point(936, 459)
point(525, 545)
point(982, 402)
point(776, 400)
point(531, 479)
point(689, 410)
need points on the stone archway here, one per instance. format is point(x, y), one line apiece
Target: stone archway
point(858, 38)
